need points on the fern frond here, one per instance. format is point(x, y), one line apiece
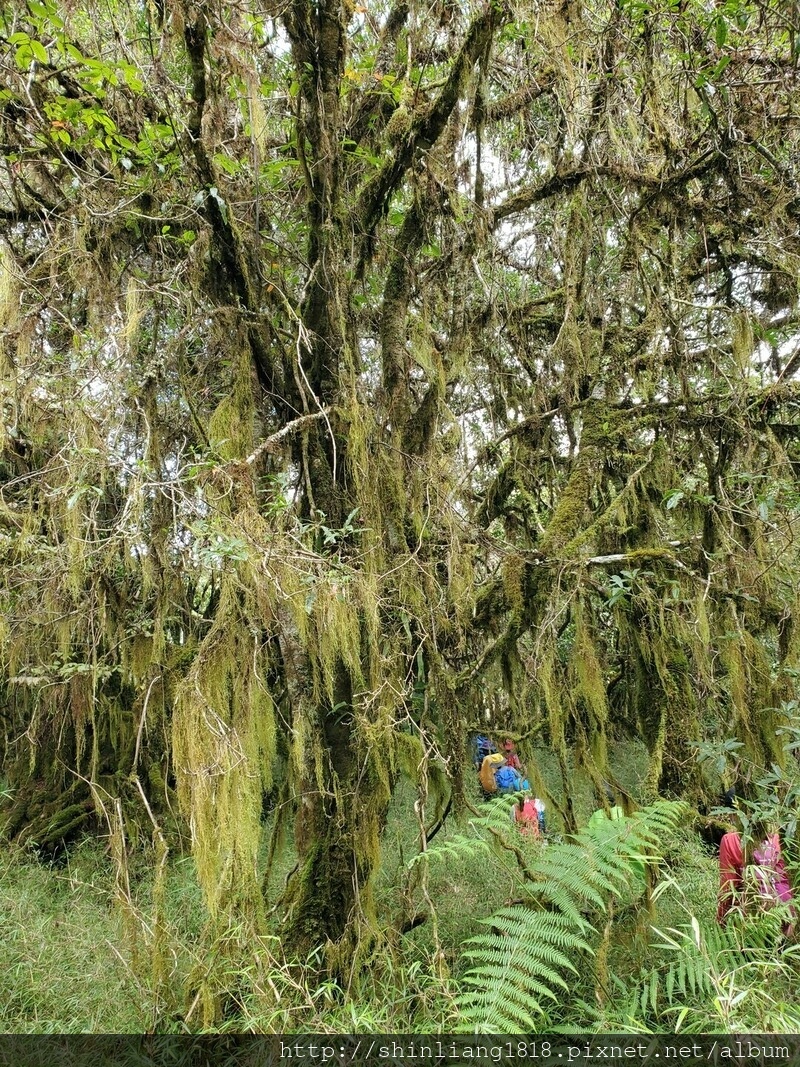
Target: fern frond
point(505, 1018)
point(518, 966)
point(459, 846)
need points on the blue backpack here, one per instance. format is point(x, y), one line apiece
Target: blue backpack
point(482, 746)
point(508, 781)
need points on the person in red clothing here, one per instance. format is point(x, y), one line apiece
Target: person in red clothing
point(510, 753)
point(763, 854)
point(528, 814)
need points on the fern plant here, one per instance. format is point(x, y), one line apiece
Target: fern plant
point(518, 965)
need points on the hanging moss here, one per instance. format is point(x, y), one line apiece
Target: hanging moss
point(573, 501)
point(557, 721)
point(230, 429)
point(224, 745)
point(591, 685)
point(749, 684)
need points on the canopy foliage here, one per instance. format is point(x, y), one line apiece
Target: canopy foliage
point(363, 366)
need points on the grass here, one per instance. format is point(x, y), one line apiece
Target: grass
point(76, 953)
point(62, 955)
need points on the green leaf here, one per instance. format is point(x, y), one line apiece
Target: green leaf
point(720, 66)
point(23, 56)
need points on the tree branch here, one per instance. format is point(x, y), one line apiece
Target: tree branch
point(428, 125)
point(269, 443)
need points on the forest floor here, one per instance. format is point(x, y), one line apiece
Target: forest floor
point(83, 947)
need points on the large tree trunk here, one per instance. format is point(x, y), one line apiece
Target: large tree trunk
point(340, 817)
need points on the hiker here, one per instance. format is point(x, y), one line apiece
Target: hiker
point(482, 746)
point(497, 777)
point(528, 814)
point(614, 812)
point(600, 825)
point(508, 780)
point(762, 852)
point(486, 775)
point(510, 752)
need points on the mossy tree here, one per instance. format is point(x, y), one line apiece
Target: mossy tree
point(361, 361)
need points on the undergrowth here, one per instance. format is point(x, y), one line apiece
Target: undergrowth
point(509, 934)
point(63, 965)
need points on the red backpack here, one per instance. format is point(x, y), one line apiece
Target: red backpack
point(527, 819)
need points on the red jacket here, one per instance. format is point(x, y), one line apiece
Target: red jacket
point(773, 881)
point(731, 867)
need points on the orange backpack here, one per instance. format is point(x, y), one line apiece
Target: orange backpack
point(486, 773)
